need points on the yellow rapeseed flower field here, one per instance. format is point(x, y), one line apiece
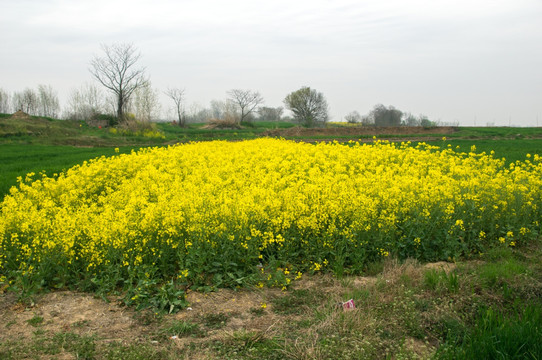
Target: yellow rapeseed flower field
point(217, 212)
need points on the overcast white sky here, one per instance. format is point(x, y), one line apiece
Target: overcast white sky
point(452, 60)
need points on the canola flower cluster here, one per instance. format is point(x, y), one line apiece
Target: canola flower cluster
point(220, 213)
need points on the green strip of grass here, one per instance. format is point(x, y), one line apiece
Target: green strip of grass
point(19, 159)
point(510, 149)
point(482, 132)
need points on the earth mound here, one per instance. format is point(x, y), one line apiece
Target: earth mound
point(20, 115)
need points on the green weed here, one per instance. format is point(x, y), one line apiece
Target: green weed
point(182, 329)
point(215, 321)
point(496, 274)
point(244, 344)
point(118, 351)
point(440, 281)
point(295, 301)
point(499, 336)
point(36, 320)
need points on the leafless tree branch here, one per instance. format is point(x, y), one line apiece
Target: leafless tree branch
point(247, 100)
point(116, 71)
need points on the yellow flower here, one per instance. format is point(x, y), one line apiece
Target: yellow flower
point(183, 274)
point(460, 224)
point(155, 206)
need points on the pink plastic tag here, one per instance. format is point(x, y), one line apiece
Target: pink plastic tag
point(349, 305)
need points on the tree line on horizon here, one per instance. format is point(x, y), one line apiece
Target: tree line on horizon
point(131, 97)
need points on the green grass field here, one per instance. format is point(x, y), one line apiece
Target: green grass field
point(20, 159)
point(510, 149)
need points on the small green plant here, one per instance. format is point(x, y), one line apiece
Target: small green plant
point(215, 321)
point(36, 320)
point(358, 295)
point(452, 281)
point(182, 329)
point(117, 350)
point(431, 279)
point(82, 347)
point(294, 301)
point(148, 316)
point(11, 323)
point(249, 345)
point(441, 281)
point(374, 268)
point(494, 275)
point(80, 323)
point(167, 297)
point(257, 311)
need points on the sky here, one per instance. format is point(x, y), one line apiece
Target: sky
point(472, 62)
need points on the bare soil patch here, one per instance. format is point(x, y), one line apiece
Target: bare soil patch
point(67, 311)
point(85, 314)
point(20, 115)
point(219, 316)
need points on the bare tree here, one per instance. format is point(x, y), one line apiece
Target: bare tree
point(48, 101)
point(4, 102)
point(217, 109)
point(85, 103)
point(247, 101)
point(411, 120)
point(353, 117)
point(196, 113)
point(117, 72)
point(270, 113)
point(27, 101)
point(146, 104)
point(177, 95)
